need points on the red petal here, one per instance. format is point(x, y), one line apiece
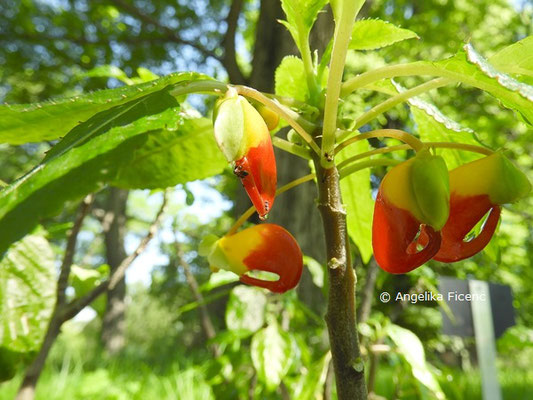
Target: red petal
point(393, 234)
point(257, 171)
point(279, 253)
point(465, 213)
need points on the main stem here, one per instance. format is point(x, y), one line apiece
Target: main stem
point(340, 316)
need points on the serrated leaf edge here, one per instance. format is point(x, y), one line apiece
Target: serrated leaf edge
point(432, 111)
point(489, 70)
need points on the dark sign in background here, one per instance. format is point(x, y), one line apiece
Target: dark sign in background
point(483, 310)
point(501, 301)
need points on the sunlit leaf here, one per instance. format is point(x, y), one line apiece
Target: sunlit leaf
point(219, 278)
point(371, 34)
point(311, 385)
point(470, 67)
point(271, 354)
point(27, 297)
point(357, 198)
point(146, 75)
point(410, 347)
point(316, 269)
point(246, 309)
point(89, 156)
point(301, 15)
point(516, 58)
point(431, 130)
point(50, 120)
point(175, 155)
point(290, 79)
point(83, 280)
point(108, 71)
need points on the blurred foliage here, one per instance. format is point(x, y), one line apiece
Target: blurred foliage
point(271, 345)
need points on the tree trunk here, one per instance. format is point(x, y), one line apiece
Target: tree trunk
point(114, 321)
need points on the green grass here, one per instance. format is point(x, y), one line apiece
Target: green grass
point(516, 384)
point(132, 380)
point(116, 382)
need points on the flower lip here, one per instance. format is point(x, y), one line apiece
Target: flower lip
point(393, 238)
point(477, 190)
point(465, 213)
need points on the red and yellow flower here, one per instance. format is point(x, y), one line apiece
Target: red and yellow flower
point(478, 188)
point(412, 195)
point(263, 247)
point(243, 137)
point(422, 212)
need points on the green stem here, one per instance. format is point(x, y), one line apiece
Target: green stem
point(399, 98)
point(343, 31)
point(371, 153)
point(219, 88)
point(416, 68)
point(248, 213)
point(438, 145)
point(307, 125)
point(389, 71)
point(277, 108)
point(403, 136)
point(287, 102)
point(309, 70)
point(460, 146)
point(292, 148)
point(346, 171)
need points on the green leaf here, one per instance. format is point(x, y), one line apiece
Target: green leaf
point(271, 355)
point(83, 162)
point(183, 154)
point(470, 67)
point(371, 34)
point(357, 197)
point(316, 269)
point(83, 280)
point(37, 122)
point(311, 385)
point(246, 309)
point(516, 58)
point(189, 196)
point(290, 79)
point(301, 15)
point(218, 279)
point(431, 128)
point(410, 347)
point(146, 75)
point(27, 298)
point(108, 71)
